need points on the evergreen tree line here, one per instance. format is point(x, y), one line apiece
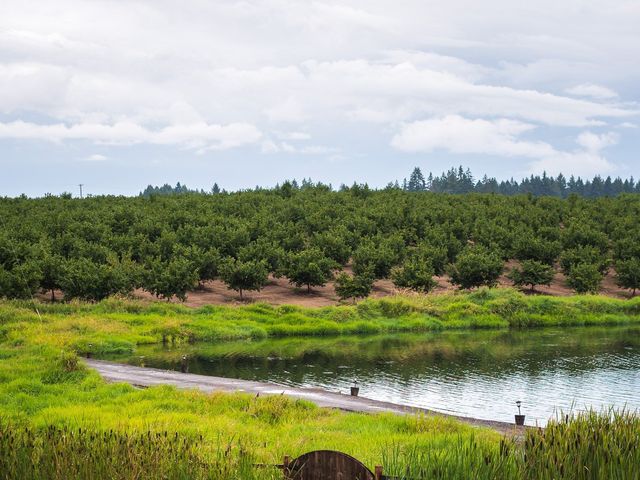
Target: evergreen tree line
point(167, 189)
point(169, 245)
point(462, 181)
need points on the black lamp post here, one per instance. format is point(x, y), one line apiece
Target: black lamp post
point(355, 389)
point(519, 416)
point(184, 365)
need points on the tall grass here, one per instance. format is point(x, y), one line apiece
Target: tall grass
point(63, 453)
point(587, 446)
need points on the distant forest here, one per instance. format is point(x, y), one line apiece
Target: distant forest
point(459, 181)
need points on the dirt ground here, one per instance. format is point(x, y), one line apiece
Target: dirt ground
point(278, 291)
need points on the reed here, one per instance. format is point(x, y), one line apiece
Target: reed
point(586, 446)
point(64, 453)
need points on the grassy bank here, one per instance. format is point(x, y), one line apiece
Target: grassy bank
point(42, 383)
point(117, 325)
point(40, 386)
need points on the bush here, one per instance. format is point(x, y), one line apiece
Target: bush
point(628, 274)
point(354, 286)
point(532, 273)
point(241, 276)
point(585, 278)
point(476, 266)
point(415, 275)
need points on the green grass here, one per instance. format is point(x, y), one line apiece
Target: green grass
point(43, 385)
point(117, 325)
point(40, 387)
point(589, 446)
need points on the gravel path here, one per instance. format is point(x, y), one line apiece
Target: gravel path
point(149, 377)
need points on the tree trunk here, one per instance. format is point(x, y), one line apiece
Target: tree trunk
point(240, 290)
point(53, 295)
point(308, 288)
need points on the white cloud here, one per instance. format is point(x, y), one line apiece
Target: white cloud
point(96, 157)
point(501, 137)
point(271, 147)
point(579, 162)
point(217, 75)
point(457, 134)
point(591, 90)
point(195, 136)
point(593, 142)
point(298, 136)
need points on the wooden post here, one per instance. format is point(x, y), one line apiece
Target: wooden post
point(378, 472)
point(285, 466)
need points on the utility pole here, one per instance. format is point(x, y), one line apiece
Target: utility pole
point(81, 185)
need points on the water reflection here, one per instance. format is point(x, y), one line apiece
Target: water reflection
point(478, 374)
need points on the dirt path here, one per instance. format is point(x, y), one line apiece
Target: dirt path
point(149, 377)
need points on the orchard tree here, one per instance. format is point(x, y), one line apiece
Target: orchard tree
point(532, 273)
point(581, 233)
point(241, 276)
point(378, 259)
point(584, 254)
point(166, 279)
point(22, 281)
point(354, 286)
point(528, 247)
point(414, 275)
point(52, 273)
point(208, 265)
point(85, 280)
point(309, 267)
point(585, 278)
point(206, 262)
point(476, 266)
point(627, 247)
point(267, 250)
point(435, 256)
point(628, 274)
point(334, 244)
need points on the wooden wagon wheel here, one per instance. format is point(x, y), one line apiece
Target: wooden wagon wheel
point(327, 465)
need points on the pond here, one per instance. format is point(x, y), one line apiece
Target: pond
point(477, 374)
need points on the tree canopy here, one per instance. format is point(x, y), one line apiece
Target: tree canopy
point(168, 244)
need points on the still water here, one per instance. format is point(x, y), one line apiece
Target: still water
point(476, 374)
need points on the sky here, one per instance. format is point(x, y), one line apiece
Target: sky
point(120, 94)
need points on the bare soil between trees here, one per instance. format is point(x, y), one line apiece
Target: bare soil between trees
point(279, 291)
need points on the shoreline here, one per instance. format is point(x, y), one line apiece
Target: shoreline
point(150, 377)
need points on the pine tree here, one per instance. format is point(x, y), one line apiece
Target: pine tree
point(417, 182)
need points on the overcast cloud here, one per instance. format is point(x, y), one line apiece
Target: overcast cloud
point(119, 94)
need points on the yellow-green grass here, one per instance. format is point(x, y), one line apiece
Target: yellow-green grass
point(118, 325)
point(38, 388)
point(42, 383)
